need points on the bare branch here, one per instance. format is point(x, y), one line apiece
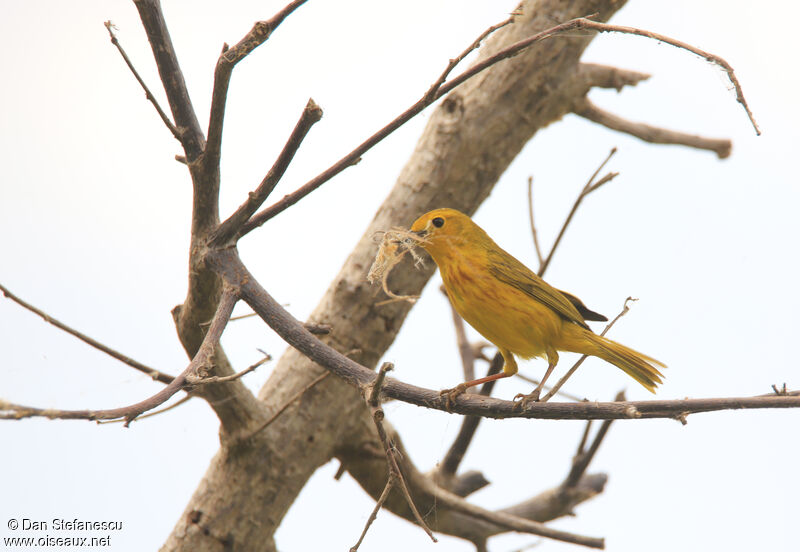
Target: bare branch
point(648, 133)
point(228, 59)
point(200, 379)
point(191, 136)
point(469, 425)
point(450, 518)
point(372, 396)
point(533, 222)
point(228, 229)
point(152, 413)
point(604, 76)
point(9, 411)
point(563, 380)
point(149, 95)
point(583, 458)
point(465, 350)
point(374, 515)
point(434, 89)
point(587, 189)
point(509, 52)
point(605, 27)
point(534, 381)
point(152, 372)
point(292, 331)
point(287, 404)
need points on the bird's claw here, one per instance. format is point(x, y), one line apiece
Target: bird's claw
point(522, 401)
point(450, 395)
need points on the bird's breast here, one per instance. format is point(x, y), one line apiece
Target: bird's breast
point(501, 313)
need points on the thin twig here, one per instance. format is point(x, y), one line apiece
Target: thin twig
point(432, 91)
point(152, 413)
point(533, 223)
point(564, 394)
point(228, 265)
point(193, 379)
point(563, 380)
point(587, 189)
point(152, 372)
point(227, 60)
point(465, 350)
point(469, 425)
point(314, 328)
point(372, 398)
point(604, 27)
point(574, 24)
point(649, 133)
point(149, 95)
point(582, 459)
point(584, 438)
point(169, 70)
point(204, 355)
point(374, 515)
point(226, 231)
point(287, 404)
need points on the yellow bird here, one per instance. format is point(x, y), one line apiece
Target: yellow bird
point(513, 307)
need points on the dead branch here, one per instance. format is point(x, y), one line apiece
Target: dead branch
point(716, 60)
point(152, 372)
point(587, 189)
point(228, 229)
point(9, 411)
point(445, 475)
point(149, 95)
point(534, 233)
point(563, 380)
point(287, 404)
point(228, 264)
point(372, 397)
point(205, 379)
point(228, 59)
point(191, 136)
point(655, 135)
point(428, 98)
point(465, 350)
point(594, 75)
point(454, 515)
point(583, 457)
point(434, 89)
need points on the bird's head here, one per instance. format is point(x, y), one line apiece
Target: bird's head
point(446, 231)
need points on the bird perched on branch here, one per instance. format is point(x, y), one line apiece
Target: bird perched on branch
point(513, 307)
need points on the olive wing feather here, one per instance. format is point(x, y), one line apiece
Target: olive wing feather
point(510, 271)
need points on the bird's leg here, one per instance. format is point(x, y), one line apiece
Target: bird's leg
point(450, 394)
point(509, 369)
point(552, 358)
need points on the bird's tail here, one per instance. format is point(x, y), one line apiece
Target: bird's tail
point(642, 368)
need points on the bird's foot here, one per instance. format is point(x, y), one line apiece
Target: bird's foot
point(450, 395)
point(522, 401)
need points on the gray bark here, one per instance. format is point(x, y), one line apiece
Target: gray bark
point(470, 139)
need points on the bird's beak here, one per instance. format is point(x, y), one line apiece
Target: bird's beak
point(421, 233)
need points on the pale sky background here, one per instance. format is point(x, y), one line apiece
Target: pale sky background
point(94, 221)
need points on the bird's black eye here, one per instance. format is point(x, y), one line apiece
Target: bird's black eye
point(438, 222)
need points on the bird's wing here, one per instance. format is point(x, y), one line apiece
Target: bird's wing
point(510, 271)
point(586, 312)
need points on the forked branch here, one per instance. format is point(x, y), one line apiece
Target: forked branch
point(229, 266)
point(152, 372)
point(149, 95)
point(649, 133)
point(372, 397)
point(11, 411)
point(228, 59)
point(434, 93)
